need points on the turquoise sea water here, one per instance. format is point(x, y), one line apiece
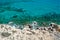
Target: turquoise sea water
point(26, 11)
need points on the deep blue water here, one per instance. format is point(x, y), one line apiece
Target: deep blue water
point(24, 10)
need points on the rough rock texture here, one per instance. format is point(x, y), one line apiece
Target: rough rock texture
point(10, 33)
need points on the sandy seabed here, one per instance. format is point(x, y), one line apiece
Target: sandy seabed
point(9, 33)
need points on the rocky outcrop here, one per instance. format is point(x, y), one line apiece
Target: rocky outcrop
point(7, 32)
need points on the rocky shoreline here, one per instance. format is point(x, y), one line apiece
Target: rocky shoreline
point(7, 32)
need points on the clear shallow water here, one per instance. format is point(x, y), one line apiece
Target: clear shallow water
point(22, 11)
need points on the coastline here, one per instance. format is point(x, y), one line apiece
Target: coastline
point(27, 34)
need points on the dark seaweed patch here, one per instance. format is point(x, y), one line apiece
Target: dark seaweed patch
point(1, 11)
point(14, 9)
point(15, 16)
point(19, 10)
